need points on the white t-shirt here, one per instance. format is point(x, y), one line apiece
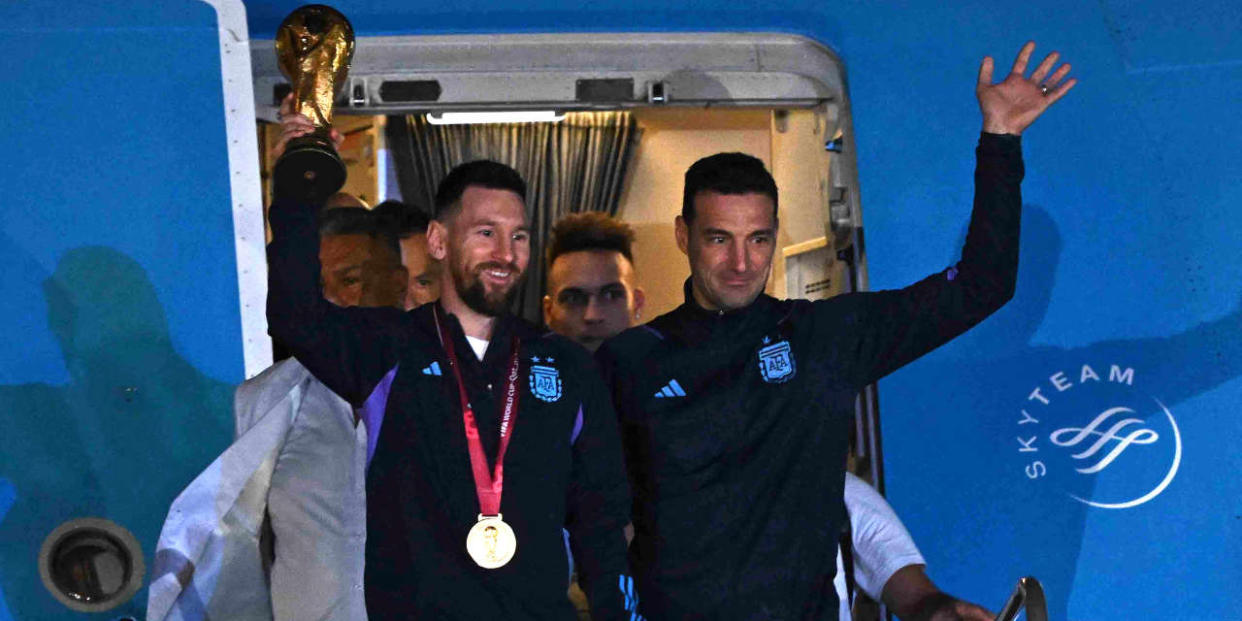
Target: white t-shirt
point(882, 545)
point(478, 345)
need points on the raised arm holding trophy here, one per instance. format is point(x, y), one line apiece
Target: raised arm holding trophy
point(452, 487)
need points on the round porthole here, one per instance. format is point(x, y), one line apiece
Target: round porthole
point(91, 564)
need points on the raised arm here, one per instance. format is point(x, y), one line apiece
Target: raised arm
point(888, 329)
point(348, 349)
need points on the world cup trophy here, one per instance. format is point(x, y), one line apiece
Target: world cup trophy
point(314, 46)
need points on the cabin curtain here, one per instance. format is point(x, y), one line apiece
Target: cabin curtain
point(578, 164)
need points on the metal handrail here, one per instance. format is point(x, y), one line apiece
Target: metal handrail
point(1029, 594)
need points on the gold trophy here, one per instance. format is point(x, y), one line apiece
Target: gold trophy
point(314, 46)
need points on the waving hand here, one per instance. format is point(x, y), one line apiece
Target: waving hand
point(1011, 106)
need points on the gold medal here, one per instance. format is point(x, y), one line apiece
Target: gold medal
point(491, 542)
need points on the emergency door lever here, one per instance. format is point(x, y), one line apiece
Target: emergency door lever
point(1029, 595)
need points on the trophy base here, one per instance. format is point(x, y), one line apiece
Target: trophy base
point(310, 169)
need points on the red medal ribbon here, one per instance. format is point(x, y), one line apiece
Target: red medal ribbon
point(488, 485)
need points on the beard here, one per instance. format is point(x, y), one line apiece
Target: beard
point(472, 292)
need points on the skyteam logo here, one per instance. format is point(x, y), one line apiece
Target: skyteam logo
point(545, 381)
point(776, 362)
point(1092, 434)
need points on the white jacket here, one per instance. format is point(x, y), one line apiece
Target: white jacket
point(209, 563)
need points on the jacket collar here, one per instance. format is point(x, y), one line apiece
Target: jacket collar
point(691, 306)
point(506, 327)
point(696, 324)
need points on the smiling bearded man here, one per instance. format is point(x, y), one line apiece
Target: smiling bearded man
point(464, 514)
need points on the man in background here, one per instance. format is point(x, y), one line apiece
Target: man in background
point(359, 258)
point(275, 528)
point(410, 224)
point(592, 294)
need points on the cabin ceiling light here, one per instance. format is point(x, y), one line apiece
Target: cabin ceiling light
point(516, 116)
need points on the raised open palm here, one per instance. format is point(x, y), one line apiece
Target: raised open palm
point(1012, 105)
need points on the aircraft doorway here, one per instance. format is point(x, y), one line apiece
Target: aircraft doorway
point(780, 98)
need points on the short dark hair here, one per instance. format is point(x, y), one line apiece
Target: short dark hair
point(358, 221)
point(345, 221)
point(727, 173)
point(590, 230)
point(406, 220)
point(482, 173)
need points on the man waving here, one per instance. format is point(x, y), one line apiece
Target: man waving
point(735, 407)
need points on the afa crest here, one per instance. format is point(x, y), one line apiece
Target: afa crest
point(545, 382)
point(776, 362)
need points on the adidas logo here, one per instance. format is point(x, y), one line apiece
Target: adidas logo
point(671, 389)
point(432, 369)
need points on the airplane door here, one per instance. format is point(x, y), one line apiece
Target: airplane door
point(120, 294)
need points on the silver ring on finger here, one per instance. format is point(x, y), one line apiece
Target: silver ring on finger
point(1043, 88)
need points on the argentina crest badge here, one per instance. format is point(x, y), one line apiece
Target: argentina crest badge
point(545, 380)
point(776, 362)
